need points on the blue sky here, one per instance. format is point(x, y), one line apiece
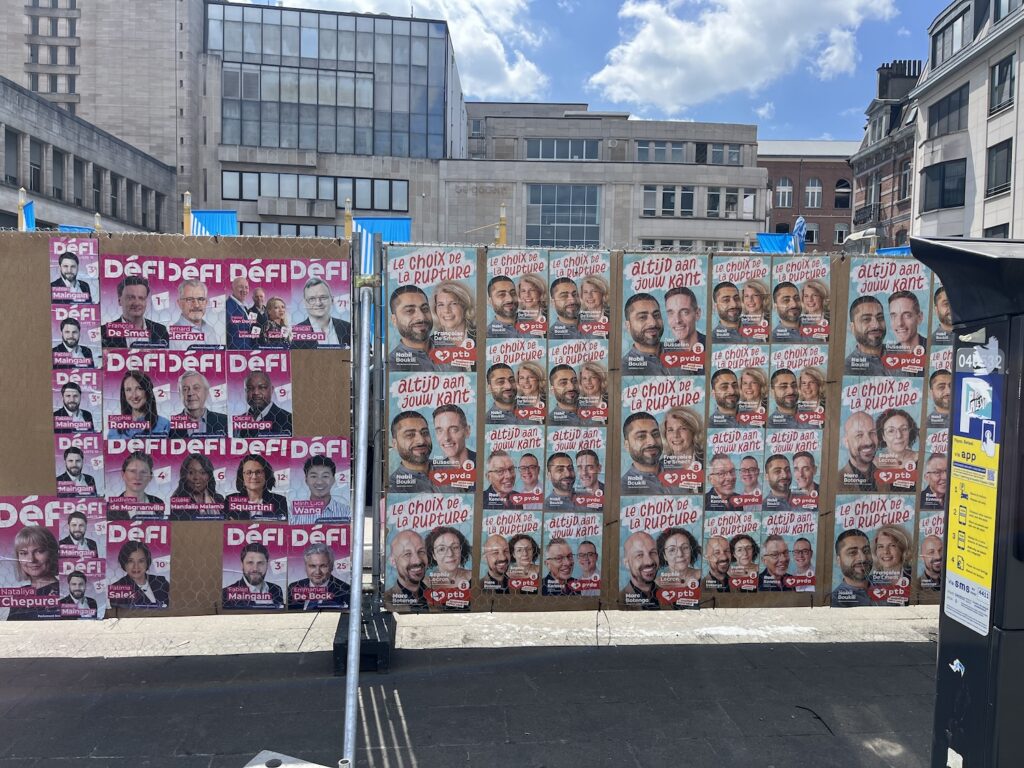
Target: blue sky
point(799, 69)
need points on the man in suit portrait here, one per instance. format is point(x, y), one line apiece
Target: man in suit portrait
point(70, 352)
point(259, 396)
point(191, 329)
point(253, 590)
point(320, 589)
point(70, 290)
point(73, 481)
point(132, 328)
point(76, 539)
point(195, 418)
point(80, 605)
point(71, 417)
point(328, 331)
point(240, 324)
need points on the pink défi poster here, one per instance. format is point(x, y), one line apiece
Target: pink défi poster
point(77, 400)
point(75, 335)
point(319, 487)
point(319, 567)
point(29, 588)
point(139, 564)
point(255, 566)
point(138, 296)
point(321, 305)
point(79, 461)
point(260, 393)
point(74, 270)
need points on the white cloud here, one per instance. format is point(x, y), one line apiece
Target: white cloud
point(492, 40)
point(568, 6)
point(903, 32)
point(676, 54)
point(766, 111)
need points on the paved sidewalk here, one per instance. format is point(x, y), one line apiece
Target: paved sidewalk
point(291, 633)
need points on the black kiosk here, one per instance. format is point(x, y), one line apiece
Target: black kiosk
point(979, 707)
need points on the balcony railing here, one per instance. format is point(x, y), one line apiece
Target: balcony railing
point(867, 214)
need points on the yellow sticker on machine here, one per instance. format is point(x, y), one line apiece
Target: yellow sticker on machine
point(973, 483)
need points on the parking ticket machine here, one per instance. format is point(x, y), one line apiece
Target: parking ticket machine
point(979, 706)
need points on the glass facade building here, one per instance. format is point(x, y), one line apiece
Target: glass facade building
point(330, 82)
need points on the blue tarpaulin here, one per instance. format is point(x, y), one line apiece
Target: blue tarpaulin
point(209, 223)
point(397, 229)
point(771, 243)
point(900, 250)
point(29, 214)
point(73, 228)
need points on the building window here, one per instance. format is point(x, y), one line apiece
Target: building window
point(1000, 232)
point(79, 183)
point(561, 149)
point(812, 193)
point(10, 157)
point(1002, 8)
point(901, 237)
point(725, 154)
point(811, 237)
point(665, 244)
point(842, 232)
point(476, 127)
point(784, 193)
point(782, 229)
point(944, 185)
point(667, 200)
point(1001, 82)
point(876, 129)
point(906, 179)
point(230, 185)
point(950, 39)
point(58, 174)
point(97, 187)
point(949, 114)
point(660, 151)
point(563, 216)
point(1000, 163)
point(35, 166)
point(33, 54)
point(873, 191)
point(843, 194)
point(115, 187)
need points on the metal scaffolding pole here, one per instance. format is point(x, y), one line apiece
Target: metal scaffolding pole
point(365, 287)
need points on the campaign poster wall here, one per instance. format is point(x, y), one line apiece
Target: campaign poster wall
point(259, 386)
point(77, 401)
point(747, 403)
point(662, 450)
point(660, 559)
point(321, 304)
point(83, 539)
point(578, 380)
point(741, 295)
point(319, 567)
point(734, 470)
point(141, 474)
point(665, 318)
point(29, 587)
point(888, 302)
point(197, 303)
point(801, 451)
point(580, 291)
point(572, 551)
point(514, 467)
point(432, 317)
point(799, 370)
point(787, 551)
point(875, 556)
point(139, 564)
point(74, 270)
point(510, 545)
point(517, 306)
point(79, 461)
point(432, 431)
point(732, 550)
point(930, 537)
point(881, 438)
point(527, 357)
point(258, 471)
point(566, 487)
point(429, 551)
point(264, 326)
point(320, 480)
point(75, 335)
point(254, 571)
point(801, 299)
point(148, 287)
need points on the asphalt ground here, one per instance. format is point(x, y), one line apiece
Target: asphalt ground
point(768, 704)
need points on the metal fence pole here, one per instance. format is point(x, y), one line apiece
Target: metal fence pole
point(365, 291)
point(380, 392)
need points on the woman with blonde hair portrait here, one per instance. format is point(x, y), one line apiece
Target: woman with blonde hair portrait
point(890, 551)
point(814, 299)
point(530, 389)
point(684, 437)
point(454, 314)
point(755, 300)
point(533, 296)
point(594, 291)
point(811, 388)
point(593, 385)
point(754, 393)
